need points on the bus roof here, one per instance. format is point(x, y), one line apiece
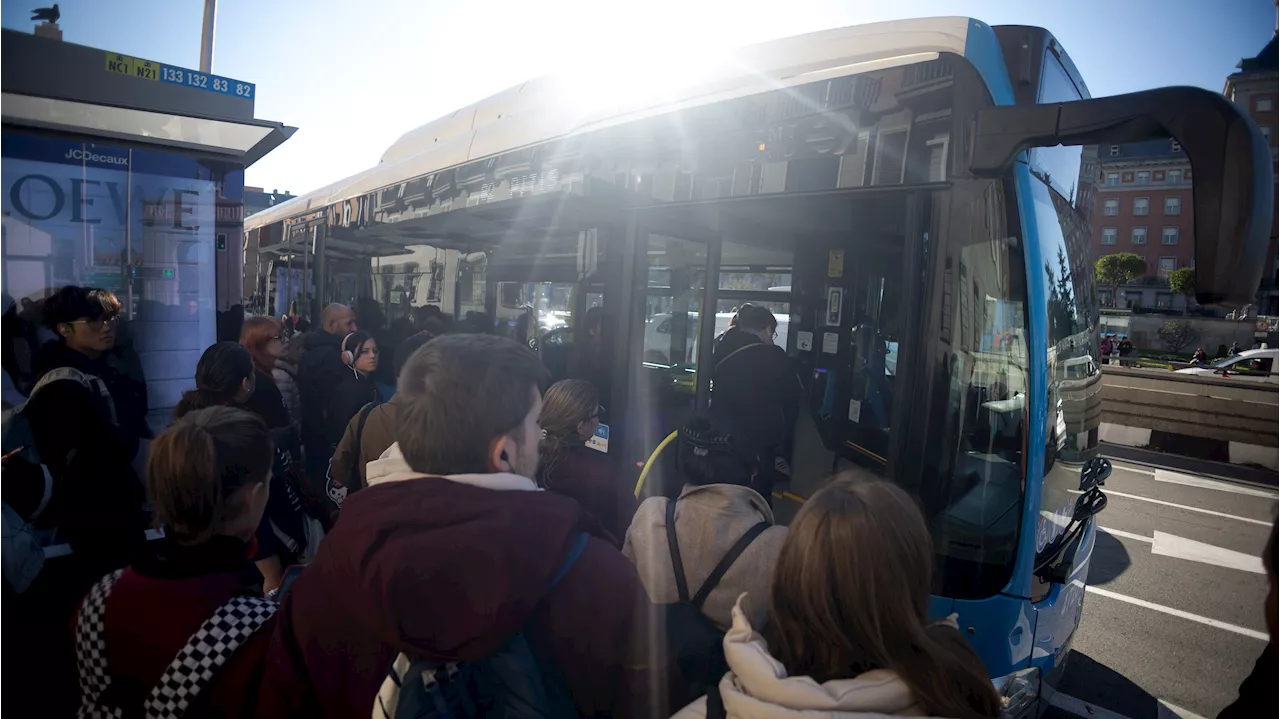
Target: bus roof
point(543, 109)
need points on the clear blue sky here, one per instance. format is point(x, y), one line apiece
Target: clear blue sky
point(355, 76)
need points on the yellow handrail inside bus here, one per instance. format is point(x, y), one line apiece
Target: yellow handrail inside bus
point(649, 464)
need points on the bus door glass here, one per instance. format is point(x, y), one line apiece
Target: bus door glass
point(674, 274)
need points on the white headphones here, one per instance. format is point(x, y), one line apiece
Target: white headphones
point(348, 357)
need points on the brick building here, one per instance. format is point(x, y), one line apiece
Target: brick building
point(1137, 197)
point(1253, 87)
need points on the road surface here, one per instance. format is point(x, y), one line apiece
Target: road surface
point(1173, 616)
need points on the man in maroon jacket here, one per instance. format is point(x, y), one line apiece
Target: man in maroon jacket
point(449, 557)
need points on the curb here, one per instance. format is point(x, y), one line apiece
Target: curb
point(1217, 451)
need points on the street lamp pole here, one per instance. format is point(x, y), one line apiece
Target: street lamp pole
point(206, 36)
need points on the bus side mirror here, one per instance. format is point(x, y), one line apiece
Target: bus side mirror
point(1231, 163)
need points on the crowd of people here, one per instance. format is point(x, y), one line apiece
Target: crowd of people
point(330, 538)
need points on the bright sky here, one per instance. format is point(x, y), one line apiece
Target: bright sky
point(355, 76)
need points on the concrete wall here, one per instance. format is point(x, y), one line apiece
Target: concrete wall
point(1144, 330)
point(1208, 417)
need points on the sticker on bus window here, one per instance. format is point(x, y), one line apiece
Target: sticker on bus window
point(600, 440)
point(804, 341)
point(855, 411)
point(835, 263)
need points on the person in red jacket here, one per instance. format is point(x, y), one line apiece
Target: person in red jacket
point(178, 628)
point(448, 555)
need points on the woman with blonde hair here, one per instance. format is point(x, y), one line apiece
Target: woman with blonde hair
point(566, 465)
point(848, 631)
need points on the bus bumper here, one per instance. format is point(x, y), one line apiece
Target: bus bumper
point(1019, 694)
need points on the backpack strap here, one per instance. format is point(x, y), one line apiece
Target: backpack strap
point(727, 561)
point(361, 418)
point(91, 650)
point(673, 546)
point(740, 349)
point(206, 651)
point(88, 381)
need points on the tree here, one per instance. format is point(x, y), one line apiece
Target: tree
point(1183, 282)
point(1176, 336)
point(1117, 269)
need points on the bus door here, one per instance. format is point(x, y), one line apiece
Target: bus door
point(673, 303)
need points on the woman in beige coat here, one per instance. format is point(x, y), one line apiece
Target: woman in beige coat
point(848, 635)
point(714, 510)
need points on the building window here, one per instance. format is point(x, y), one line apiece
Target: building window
point(1173, 205)
point(1111, 208)
point(1157, 176)
point(1167, 266)
point(1175, 146)
point(1164, 300)
point(1144, 177)
point(1139, 236)
point(1169, 236)
point(1175, 176)
point(1262, 104)
point(1113, 179)
point(1141, 205)
point(1108, 235)
point(1115, 150)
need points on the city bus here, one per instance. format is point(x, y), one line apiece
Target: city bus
point(904, 195)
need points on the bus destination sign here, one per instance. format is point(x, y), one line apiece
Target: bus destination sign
point(159, 72)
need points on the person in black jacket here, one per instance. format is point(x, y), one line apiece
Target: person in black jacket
point(226, 377)
point(320, 370)
point(755, 390)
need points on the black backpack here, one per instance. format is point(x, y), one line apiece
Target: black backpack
point(695, 642)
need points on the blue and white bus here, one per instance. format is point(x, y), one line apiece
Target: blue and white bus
point(904, 194)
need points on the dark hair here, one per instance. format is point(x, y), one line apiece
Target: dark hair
point(196, 465)
point(406, 350)
point(352, 342)
point(755, 318)
point(460, 392)
point(219, 375)
point(850, 594)
point(73, 303)
point(708, 454)
point(565, 405)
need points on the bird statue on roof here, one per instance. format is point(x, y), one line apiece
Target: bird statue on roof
point(46, 14)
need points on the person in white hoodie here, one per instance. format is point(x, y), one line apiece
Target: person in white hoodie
point(848, 636)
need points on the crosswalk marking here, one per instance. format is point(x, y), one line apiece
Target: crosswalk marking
point(1171, 545)
point(1216, 624)
point(1126, 535)
point(1113, 493)
point(1187, 480)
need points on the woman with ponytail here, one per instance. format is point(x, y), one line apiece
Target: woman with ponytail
point(566, 465)
point(227, 377)
point(848, 631)
point(208, 475)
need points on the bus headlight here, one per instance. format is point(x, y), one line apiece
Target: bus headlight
point(1019, 693)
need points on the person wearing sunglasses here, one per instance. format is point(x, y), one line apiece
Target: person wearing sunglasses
point(571, 413)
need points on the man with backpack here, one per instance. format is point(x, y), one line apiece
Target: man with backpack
point(454, 581)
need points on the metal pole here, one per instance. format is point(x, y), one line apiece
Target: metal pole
point(206, 35)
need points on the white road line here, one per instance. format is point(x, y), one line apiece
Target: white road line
point(1113, 493)
point(1135, 470)
point(1216, 624)
point(1126, 535)
point(1171, 545)
point(1190, 480)
point(1165, 710)
point(1082, 708)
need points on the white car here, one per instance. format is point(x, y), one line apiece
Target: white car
point(657, 335)
point(1250, 365)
